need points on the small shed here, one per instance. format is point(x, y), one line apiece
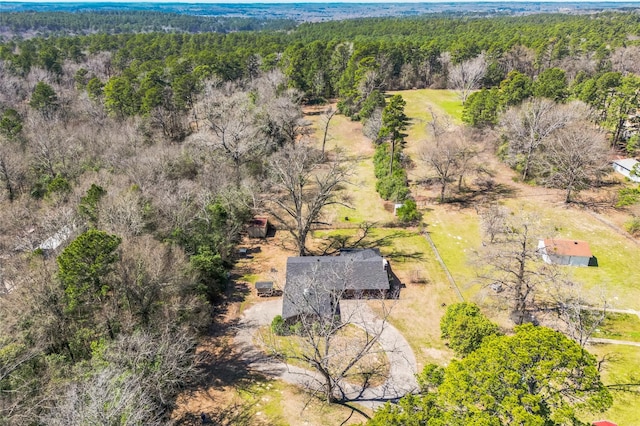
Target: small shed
point(625, 166)
point(565, 252)
point(265, 288)
point(604, 423)
point(258, 227)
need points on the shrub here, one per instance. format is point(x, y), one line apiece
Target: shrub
point(278, 326)
point(628, 196)
point(633, 226)
point(408, 212)
point(394, 187)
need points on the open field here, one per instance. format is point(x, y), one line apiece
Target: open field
point(625, 361)
point(364, 204)
point(620, 326)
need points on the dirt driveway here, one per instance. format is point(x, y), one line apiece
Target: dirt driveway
point(401, 358)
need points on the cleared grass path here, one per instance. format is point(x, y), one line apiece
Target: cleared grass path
point(444, 266)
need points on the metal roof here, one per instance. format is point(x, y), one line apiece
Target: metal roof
point(567, 247)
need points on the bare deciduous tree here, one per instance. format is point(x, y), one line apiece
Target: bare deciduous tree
point(467, 75)
point(232, 124)
point(282, 120)
point(448, 156)
point(519, 58)
point(576, 157)
point(528, 127)
point(143, 374)
point(626, 59)
point(372, 125)
point(493, 220)
point(326, 121)
point(574, 307)
point(513, 268)
point(301, 187)
point(338, 340)
point(12, 168)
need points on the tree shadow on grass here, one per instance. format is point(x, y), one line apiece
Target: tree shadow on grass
point(235, 414)
point(221, 365)
point(488, 193)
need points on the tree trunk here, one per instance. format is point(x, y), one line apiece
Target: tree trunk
point(393, 149)
point(567, 199)
point(527, 163)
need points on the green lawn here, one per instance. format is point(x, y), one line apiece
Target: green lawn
point(418, 104)
point(456, 234)
point(626, 359)
point(616, 275)
point(620, 326)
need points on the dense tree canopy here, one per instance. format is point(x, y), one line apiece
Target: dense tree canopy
point(535, 377)
point(165, 139)
point(465, 328)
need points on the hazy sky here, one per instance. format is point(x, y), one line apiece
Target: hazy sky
point(306, 1)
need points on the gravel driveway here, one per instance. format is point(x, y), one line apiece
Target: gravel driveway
point(401, 358)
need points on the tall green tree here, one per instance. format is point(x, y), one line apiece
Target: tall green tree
point(120, 97)
point(394, 122)
point(551, 84)
point(44, 98)
point(536, 377)
point(84, 266)
point(10, 123)
point(465, 328)
point(515, 88)
point(481, 108)
point(91, 303)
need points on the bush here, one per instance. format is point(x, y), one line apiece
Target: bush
point(465, 327)
point(628, 196)
point(408, 212)
point(633, 226)
point(278, 327)
point(394, 187)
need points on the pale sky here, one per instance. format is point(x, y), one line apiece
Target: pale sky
point(314, 1)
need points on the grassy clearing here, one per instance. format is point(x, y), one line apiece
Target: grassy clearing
point(364, 203)
point(626, 359)
point(620, 327)
point(456, 234)
point(274, 403)
point(616, 275)
point(418, 104)
point(294, 347)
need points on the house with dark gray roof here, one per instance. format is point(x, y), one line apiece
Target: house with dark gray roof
point(315, 284)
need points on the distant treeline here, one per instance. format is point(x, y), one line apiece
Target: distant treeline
point(329, 59)
point(112, 22)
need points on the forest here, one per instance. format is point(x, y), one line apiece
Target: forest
point(132, 160)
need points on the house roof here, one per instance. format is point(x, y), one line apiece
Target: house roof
point(560, 247)
point(603, 423)
point(317, 277)
point(626, 163)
